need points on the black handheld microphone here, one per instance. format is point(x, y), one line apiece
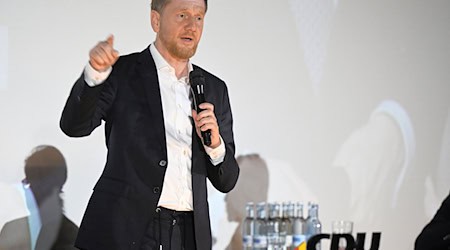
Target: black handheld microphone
point(197, 81)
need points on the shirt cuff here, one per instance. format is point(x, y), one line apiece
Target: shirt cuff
point(216, 155)
point(93, 78)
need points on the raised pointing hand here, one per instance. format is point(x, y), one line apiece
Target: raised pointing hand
point(103, 55)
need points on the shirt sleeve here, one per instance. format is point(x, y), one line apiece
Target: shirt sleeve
point(93, 78)
point(216, 155)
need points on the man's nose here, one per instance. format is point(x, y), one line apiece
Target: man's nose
point(192, 24)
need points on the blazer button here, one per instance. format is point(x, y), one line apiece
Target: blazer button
point(162, 163)
point(156, 190)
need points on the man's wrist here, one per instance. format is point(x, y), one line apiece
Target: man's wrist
point(217, 154)
point(93, 77)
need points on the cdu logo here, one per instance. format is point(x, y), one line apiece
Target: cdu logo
point(350, 242)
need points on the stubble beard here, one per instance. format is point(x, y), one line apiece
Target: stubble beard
point(180, 52)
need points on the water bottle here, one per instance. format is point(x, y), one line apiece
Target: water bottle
point(248, 227)
point(260, 233)
point(298, 227)
point(275, 237)
point(287, 220)
point(313, 225)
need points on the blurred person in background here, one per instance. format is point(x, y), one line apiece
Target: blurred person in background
point(46, 227)
point(252, 186)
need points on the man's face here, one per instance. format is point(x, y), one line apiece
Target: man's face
point(179, 27)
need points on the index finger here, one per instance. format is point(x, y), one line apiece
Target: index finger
point(206, 105)
point(110, 40)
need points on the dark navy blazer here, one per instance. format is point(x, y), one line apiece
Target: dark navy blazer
point(125, 197)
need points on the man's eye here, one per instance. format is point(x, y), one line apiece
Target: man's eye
point(199, 18)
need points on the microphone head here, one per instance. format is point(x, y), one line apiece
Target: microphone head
point(196, 77)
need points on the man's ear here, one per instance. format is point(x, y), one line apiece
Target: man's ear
point(154, 20)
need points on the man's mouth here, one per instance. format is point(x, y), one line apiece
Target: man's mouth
point(187, 38)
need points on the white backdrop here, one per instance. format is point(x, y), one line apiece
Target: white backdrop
point(308, 81)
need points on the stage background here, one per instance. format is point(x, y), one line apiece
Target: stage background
point(347, 101)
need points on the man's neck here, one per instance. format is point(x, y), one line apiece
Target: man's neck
point(180, 65)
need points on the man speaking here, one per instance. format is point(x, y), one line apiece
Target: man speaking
point(152, 193)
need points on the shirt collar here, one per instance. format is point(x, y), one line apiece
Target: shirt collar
point(161, 63)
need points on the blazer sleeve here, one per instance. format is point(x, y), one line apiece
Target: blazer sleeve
point(225, 175)
point(86, 107)
point(436, 234)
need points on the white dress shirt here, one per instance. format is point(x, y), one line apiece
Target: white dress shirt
point(177, 186)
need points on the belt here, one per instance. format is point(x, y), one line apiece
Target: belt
point(166, 211)
point(172, 217)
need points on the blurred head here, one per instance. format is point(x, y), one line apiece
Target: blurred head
point(158, 5)
point(45, 171)
point(252, 186)
point(178, 25)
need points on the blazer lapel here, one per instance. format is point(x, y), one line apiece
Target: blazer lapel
point(149, 78)
point(198, 169)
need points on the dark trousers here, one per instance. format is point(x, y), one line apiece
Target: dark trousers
point(170, 230)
